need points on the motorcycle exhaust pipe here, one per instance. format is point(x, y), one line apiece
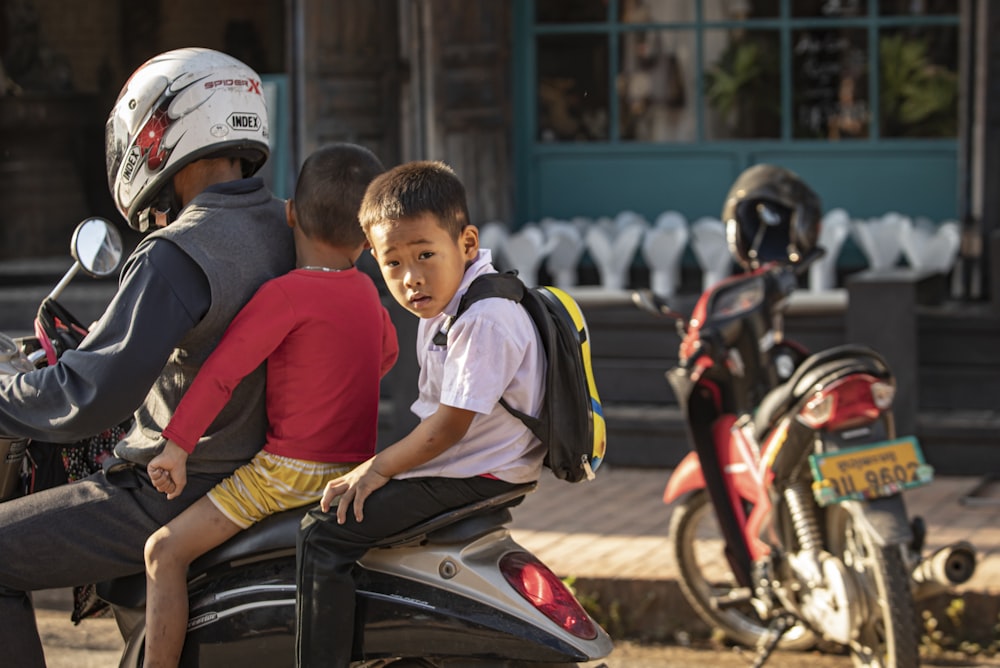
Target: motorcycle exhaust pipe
point(951, 565)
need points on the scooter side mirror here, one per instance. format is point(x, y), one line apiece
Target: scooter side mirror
point(97, 247)
point(650, 302)
point(653, 303)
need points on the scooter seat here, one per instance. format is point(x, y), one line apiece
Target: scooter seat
point(270, 538)
point(821, 367)
point(274, 537)
point(465, 523)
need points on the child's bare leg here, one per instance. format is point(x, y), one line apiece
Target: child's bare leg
point(169, 552)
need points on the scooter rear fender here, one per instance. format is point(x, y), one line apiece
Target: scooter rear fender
point(460, 587)
point(246, 615)
point(437, 593)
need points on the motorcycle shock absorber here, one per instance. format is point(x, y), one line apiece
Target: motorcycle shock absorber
point(798, 499)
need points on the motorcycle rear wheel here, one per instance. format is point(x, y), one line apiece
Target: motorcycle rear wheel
point(705, 577)
point(890, 636)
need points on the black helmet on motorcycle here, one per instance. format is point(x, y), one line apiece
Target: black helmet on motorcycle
point(178, 107)
point(770, 214)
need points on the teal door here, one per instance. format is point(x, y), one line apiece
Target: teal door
point(656, 105)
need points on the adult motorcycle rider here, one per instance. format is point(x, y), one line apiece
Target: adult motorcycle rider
point(182, 169)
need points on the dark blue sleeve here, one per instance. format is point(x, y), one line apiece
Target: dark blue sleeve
point(163, 293)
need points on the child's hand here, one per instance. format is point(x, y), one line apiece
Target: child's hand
point(168, 470)
point(353, 487)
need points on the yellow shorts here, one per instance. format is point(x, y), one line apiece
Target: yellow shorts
point(270, 483)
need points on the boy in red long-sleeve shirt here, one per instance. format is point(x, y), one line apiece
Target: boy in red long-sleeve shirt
point(327, 341)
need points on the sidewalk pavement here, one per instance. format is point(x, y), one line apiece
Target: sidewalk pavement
point(609, 536)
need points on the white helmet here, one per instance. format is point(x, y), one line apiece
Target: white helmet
point(178, 107)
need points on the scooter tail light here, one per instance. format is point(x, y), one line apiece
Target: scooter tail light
point(846, 403)
point(546, 592)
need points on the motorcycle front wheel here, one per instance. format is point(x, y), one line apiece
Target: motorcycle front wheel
point(889, 637)
point(708, 583)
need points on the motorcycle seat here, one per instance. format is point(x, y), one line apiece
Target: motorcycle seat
point(274, 537)
point(821, 367)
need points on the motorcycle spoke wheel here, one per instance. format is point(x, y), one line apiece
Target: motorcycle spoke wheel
point(889, 637)
point(710, 586)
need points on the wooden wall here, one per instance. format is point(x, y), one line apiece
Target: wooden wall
point(413, 80)
point(348, 75)
point(470, 63)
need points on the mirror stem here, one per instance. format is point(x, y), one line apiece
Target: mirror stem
point(64, 281)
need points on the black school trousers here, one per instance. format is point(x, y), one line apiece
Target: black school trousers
point(327, 552)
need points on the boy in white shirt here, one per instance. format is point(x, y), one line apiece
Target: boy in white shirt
point(467, 447)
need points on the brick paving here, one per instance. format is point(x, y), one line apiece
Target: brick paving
point(616, 525)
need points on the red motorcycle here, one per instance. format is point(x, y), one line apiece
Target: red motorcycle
point(790, 524)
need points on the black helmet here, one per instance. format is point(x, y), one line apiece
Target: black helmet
point(770, 214)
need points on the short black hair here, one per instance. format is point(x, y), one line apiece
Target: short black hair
point(413, 189)
point(329, 190)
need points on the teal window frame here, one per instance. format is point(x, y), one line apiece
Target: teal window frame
point(278, 169)
point(529, 151)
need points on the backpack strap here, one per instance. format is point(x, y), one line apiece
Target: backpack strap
point(506, 285)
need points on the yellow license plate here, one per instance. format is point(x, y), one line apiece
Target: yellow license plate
point(869, 471)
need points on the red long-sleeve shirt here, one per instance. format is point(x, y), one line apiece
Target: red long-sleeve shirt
point(327, 341)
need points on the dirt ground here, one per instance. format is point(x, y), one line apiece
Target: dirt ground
point(95, 643)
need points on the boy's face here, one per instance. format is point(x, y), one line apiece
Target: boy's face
point(421, 263)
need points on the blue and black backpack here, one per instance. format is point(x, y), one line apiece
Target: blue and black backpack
point(571, 424)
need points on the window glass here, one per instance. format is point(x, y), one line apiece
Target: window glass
point(573, 102)
point(657, 11)
point(656, 86)
point(570, 11)
point(829, 8)
point(918, 7)
point(738, 10)
point(918, 82)
point(742, 84)
point(830, 84)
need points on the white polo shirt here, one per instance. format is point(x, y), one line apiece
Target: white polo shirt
point(493, 351)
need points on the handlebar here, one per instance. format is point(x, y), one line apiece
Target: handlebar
point(12, 359)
